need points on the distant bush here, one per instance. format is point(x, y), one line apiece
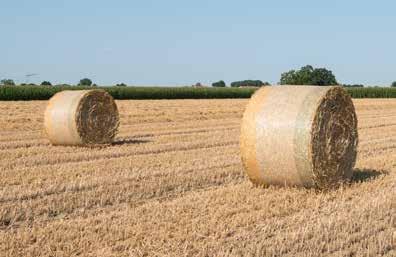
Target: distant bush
point(7, 82)
point(198, 84)
point(220, 83)
point(85, 82)
point(393, 84)
point(249, 83)
point(353, 85)
point(63, 85)
point(46, 83)
point(121, 85)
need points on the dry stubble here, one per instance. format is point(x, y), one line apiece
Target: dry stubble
point(173, 185)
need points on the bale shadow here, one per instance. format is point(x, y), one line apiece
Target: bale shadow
point(131, 142)
point(363, 175)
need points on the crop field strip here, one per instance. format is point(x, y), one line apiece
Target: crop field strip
point(173, 185)
point(14, 93)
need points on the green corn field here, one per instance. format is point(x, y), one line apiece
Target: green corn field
point(15, 93)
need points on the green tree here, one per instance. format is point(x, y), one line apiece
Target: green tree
point(46, 83)
point(7, 82)
point(85, 82)
point(393, 84)
point(121, 85)
point(220, 83)
point(308, 75)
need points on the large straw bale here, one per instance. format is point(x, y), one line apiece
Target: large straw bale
point(81, 117)
point(299, 136)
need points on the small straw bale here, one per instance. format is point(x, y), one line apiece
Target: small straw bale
point(81, 117)
point(304, 136)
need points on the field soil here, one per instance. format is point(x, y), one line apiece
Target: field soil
point(173, 185)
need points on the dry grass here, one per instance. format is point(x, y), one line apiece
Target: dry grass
point(173, 185)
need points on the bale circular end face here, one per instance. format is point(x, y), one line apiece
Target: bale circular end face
point(81, 117)
point(299, 136)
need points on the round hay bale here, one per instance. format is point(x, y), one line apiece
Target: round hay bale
point(81, 117)
point(299, 136)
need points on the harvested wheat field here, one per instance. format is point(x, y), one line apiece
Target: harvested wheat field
point(173, 185)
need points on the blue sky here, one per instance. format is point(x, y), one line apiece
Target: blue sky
point(182, 42)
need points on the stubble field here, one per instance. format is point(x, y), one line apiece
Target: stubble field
point(173, 185)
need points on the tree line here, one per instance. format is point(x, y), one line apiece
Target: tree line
point(306, 75)
point(83, 82)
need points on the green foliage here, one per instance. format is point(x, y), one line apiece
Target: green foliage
point(46, 83)
point(121, 85)
point(372, 92)
point(44, 92)
point(63, 85)
point(308, 75)
point(353, 85)
point(393, 84)
point(7, 82)
point(248, 83)
point(177, 93)
point(220, 83)
point(86, 82)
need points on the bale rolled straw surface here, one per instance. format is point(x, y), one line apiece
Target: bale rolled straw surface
point(299, 136)
point(81, 117)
